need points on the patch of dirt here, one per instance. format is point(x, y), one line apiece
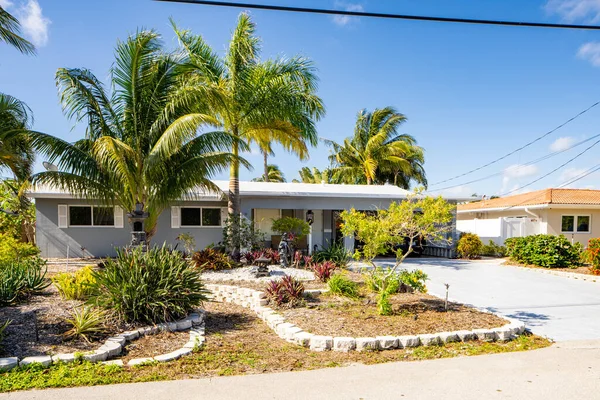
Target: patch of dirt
point(155, 345)
point(584, 270)
point(38, 327)
point(416, 313)
point(315, 284)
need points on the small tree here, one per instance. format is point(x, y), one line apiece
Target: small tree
point(417, 218)
point(249, 238)
point(295, 226)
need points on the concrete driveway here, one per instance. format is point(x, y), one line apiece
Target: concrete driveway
point(556, 307)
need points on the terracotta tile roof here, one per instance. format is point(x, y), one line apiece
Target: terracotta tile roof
point(545, 196)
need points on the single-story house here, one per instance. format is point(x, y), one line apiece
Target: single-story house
point(574, 213)
point(67, 224)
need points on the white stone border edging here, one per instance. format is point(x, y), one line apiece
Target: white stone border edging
point(256, 301)
point(564, 274)
point(113, 346)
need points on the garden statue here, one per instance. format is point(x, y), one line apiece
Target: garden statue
point(285, 251)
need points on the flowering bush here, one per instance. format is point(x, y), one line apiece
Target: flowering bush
point(592, 256)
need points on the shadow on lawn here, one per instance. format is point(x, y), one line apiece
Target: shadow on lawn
point(224, 322)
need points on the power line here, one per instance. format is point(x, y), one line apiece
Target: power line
point(543, 158)
point(383, 15)
point(520, 148)
point(581, 176)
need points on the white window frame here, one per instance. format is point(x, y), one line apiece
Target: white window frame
point(182, 226)
point(113, 226)
point(576, 223)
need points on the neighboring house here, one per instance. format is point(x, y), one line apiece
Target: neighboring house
point(84, 229)
point(574, 213)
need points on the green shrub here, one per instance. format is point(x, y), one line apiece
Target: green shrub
point(384, 306)
point(75, 286)
point(285, 292)
point(469, 246)
point(342, 286)
point(12, 250)
point(493, 250)
point(402, 281)
point(335, 252)
point(86, 322)
point(295, 226)
point(547, 251)
point(211, 259)
point(592, 256)
point(149, 287)
point(19, 280)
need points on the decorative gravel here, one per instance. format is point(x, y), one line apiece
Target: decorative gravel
point(246, 274)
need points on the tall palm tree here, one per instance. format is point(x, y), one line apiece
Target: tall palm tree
point(141, 145)
point(10, 32)
point(274, 174)
point(255, 101)
point(377, 154)
point(16, 155)
point(293, 142)
point(314, 175)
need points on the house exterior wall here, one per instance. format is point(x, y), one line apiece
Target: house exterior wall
point(498, 226)
point(555, 224)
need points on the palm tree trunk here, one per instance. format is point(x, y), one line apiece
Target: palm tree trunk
point(266, 166)
point(233, 203)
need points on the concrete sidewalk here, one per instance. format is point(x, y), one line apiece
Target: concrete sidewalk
point(569, 370)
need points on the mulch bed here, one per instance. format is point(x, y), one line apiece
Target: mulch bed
point(416, 313)
point(155, 345)
point(584, 270)
point(38, 327)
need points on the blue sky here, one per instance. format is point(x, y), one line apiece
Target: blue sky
point(471, 93)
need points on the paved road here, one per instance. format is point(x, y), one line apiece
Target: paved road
point(556, 307)
point(567, 371)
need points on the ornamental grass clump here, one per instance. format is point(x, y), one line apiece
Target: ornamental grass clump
point(335, 252)
point(86, 322)
point(148, 287)
point(22, 279)
point(342, 286)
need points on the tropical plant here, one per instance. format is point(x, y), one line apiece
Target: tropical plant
point(21, 279)
point(547, 251)
point(142, 144)
point(324, 270)
point(149, 287)
point(249, 238)
point(211, 259)
point(19, 220)
point(256, 101)
point(592, 255)
point(10, 33)
point(75, 286)
point(469, 246)
point(295, 226)
point(273, 174)
point(16, 153)
point(188, 240)
point(342, 286)
point(314, 175)
point(287, 291)
point(13, 250)
point(377, 154)
point(493, 250)
point(335, 252)
point(86, 322)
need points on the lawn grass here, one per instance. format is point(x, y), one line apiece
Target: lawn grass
point(238, 343)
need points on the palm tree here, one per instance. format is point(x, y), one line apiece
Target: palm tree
point(377, 154)
point(141, 144)
point(17, 155)
point(274, 174)
point(10, 32)
point(314, 175)
point(293, 142)
point(255, 101)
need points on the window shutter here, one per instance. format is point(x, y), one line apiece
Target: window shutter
point(63, 211)
point(224, 215)
point(175, 217)
point(118, 217)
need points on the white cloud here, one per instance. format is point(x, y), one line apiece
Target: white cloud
point(33, 22)
point(590, 52)
point(571, 173)
point(575, 10)
point(562, 143)
point(343, 20)
point(516, 171)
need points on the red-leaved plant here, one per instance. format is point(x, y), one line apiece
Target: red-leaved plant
point(285, 292)
point(592, 255)
point(324, 270)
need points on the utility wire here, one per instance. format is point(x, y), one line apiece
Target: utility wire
point(520, 148)
point(581, 176)
point(543, 158)
point(383, 15)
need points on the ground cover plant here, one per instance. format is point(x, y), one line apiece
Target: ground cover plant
point(469, 246)
point(148, 287)
point(547, 251)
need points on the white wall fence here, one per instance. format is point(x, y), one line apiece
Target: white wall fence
point(500, 229)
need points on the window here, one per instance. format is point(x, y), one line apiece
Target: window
point(91, 216)
point(191, 216)
point(575, 224)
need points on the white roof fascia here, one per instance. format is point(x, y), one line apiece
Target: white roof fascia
point(534, 207)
